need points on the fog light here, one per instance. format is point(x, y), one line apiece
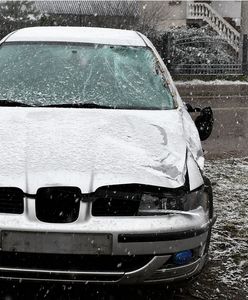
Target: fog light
point(182, 258)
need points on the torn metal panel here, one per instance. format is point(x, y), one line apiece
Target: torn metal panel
point(192, 138)
point(194, 173)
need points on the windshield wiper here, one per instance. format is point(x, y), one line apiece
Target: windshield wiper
point(13, 103)
point(79, 105)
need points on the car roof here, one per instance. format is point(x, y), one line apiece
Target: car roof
point(90, 35)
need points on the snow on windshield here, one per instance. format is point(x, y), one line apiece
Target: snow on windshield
point(49, 74)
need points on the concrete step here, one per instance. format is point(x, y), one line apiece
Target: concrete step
point(217, 101)
point(216, 90)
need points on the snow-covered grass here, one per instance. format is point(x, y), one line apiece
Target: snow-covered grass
point(226, 276)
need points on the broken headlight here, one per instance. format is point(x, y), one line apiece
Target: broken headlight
point(164, 203)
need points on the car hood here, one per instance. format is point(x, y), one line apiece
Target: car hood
point(90, 148)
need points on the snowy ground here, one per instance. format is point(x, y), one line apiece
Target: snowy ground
point(226, 276)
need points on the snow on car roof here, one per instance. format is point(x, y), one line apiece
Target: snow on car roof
point(77, 35)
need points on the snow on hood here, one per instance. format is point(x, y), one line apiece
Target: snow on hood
point(90, 148)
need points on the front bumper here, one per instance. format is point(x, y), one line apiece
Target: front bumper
point(157, 238)
point(153, 272)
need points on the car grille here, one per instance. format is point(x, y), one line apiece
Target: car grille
point(58, 204)
point(122, 200)
point(61, 204)
point(11, 200)
point(66, 262)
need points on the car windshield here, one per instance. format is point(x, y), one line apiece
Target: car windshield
point(50, 74)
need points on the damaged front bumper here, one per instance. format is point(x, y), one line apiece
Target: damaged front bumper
point(121, 250)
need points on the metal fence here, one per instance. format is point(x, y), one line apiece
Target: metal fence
point(206, 69)
point(178, 64)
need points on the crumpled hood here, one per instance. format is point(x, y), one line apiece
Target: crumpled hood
point(90, 148)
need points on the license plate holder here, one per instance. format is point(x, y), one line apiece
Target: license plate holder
point(56, 242)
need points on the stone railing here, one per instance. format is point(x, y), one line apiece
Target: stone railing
point(206, 13)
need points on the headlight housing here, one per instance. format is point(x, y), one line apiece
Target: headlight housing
point(166, 202)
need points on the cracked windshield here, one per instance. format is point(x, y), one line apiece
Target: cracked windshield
point(114, 76)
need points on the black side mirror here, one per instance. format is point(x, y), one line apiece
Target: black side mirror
point(204, 122)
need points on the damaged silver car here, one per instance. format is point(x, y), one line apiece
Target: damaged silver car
point(101, 165)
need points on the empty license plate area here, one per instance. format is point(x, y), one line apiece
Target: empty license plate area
point(53, 242)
